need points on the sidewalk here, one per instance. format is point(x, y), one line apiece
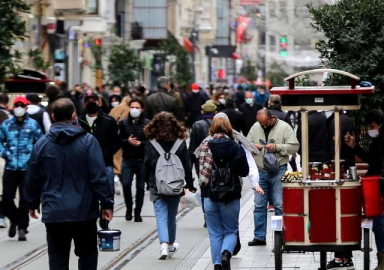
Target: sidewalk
point(261, 257)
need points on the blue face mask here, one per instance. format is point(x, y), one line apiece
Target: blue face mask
point(249, 101)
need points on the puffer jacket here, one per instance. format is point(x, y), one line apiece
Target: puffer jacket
point(225, 150)
point(127, 128)
point(17, 140)
point(67, 175)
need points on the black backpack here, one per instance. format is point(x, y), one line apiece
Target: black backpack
point(222, 184)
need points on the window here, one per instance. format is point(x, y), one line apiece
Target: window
point(283, 10)
point(91, 6)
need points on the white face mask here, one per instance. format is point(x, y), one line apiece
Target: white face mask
point(196, 91)
point(134, 112)
point(222, 101)
point(19, 111)
point(374, 133)
point(114, 104)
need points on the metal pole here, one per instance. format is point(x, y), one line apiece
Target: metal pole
point(337, 146)
point(193, 55)
point(305, 145)
point(209, 64)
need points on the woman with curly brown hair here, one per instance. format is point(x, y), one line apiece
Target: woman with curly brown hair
point(164, 132)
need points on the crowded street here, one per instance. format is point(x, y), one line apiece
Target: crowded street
point(191, 135)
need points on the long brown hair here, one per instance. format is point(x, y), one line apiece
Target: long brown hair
point(164, 127)
point(221, 125)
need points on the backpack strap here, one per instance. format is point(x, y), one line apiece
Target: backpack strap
point(176, 146)
point(158, 147)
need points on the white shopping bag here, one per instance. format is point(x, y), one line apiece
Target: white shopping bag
point(190, 199)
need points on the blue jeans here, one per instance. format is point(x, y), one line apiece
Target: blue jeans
point(378, 229)
point(272, 186)
point(128, 169)
point(223, 225)
point(166, 211)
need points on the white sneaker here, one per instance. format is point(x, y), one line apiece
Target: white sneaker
point(163, 252)
point(2, 223)
point(175, 249)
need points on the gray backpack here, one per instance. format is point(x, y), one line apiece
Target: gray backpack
point(169, 173)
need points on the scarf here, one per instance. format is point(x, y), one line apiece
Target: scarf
point(206, 159)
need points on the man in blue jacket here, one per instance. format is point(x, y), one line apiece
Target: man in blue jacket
point(67, 176)
point(17, 137)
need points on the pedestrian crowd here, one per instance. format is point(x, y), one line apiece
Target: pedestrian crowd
point(68, 158)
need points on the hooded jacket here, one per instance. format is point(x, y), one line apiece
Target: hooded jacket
point(106, 132)
point(224, 151)
point(17, 140)
point(67, 175)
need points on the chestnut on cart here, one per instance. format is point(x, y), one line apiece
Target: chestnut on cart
point(322, 210)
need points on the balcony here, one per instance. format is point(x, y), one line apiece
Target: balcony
point(75, 6)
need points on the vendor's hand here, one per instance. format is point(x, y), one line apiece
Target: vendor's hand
point(259, 190)
point(106, 214)
point(259, 146)
point(132, 140)
point(271, 147)
point(136, 143)
point(350, 139)
point(32, 213)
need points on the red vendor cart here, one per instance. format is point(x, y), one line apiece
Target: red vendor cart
point(320, 214)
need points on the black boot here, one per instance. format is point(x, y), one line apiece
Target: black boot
point(128, 215)
point(226, 260)
point(218, 267)
point(138, 217)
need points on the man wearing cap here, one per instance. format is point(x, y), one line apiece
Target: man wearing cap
point(194, 102)
point(17, 137)
point(105, 130)
point(38, 113)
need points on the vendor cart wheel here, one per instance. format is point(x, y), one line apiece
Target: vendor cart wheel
point(278, 250)
point(367, 249)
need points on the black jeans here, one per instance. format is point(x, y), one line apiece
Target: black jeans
point(59, 238)
point(129, 168)
point(17, 215)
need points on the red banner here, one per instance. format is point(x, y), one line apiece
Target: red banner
point(251, 2)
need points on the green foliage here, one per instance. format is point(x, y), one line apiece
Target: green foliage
point(124, 64)
point(276, 75)
point(98, 53)
point(249, 71)
point(181, 67)
point(37, 60)
point(12, 28)
point(354, 31)
point(304, 81)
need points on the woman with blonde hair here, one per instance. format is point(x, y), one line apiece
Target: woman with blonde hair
point(166, 136)
point(221, 156)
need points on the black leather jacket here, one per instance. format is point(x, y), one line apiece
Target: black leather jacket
point(200, 130)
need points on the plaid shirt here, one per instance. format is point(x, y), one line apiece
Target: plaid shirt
point(206, 160)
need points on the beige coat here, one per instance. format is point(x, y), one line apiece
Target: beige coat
point(120, 113)
point(285, 140)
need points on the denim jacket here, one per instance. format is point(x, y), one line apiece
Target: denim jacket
point(17, 140)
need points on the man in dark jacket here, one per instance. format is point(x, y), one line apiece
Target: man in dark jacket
point(274, 106)
point(105, 130)
point(317, 136)
point(133, 142)
point(249, 109)
point(374, 120)
point(200, 130)
point(235, 117)
point(161, 101)
point(69, 158)
point(194, 102)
